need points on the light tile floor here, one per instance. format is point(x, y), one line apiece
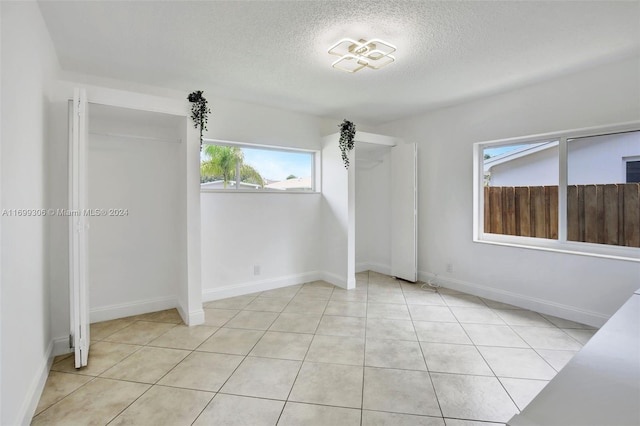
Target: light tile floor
point(386, 353)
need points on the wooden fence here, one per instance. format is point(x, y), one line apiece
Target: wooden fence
point(604, 214)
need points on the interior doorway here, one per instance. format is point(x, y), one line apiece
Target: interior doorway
point(385, 206)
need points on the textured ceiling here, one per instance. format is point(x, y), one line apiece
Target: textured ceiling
point(275, 52)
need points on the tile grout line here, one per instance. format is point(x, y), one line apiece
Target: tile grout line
point(251, 349)
point(536, 349)
point(244, 356)
point(303, 358)
point(93, 378)
point(364, 355)
point(487, 362)
point(424, 358)
point(381, 285)
point(510, 327)
point(150, 385)
point(247, 355)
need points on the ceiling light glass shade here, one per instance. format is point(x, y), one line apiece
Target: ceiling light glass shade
point(356, 55)
point(350, 63)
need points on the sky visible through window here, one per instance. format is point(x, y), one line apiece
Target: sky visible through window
point(278, 165)
point(501, 149)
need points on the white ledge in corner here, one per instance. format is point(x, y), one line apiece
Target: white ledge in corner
point(372, 138)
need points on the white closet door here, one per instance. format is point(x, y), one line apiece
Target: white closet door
point(404, 212)
point(78, 228)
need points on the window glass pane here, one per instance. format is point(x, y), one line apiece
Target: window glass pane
point(633, 171)
point(521, 189)
point(259, 169)
point(602, 197)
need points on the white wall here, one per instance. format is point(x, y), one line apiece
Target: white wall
point(281, 233)
point(28, 65)
point(337, 234)
point(58, 237)
point(222, 215)
point(293, 238)
point(576, 287)
point(598, 159)
point(249, 123)
point(136, 258)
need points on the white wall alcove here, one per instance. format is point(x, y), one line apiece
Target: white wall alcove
point(143, 174)
point(359, 225)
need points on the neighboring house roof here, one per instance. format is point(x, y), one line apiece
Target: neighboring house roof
point(517, 153)
point(291, 184)
point(218, 184)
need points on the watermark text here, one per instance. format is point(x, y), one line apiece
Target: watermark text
point(64, 212)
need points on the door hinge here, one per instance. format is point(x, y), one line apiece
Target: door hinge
point(71, 341)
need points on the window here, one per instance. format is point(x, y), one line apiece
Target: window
point(521, 189)
point(632, 171)
point(574, 191)
point(260, 168)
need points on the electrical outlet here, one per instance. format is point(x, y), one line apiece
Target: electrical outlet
point(450, 267)
point(256, 269)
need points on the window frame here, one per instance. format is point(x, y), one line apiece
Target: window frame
point(561, 245)
point(316, 168)
point(625, 161)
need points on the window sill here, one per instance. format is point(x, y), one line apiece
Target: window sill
point(252, 191)
point(629, 254)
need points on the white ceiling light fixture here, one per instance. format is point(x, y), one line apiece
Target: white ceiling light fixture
point(356, 55)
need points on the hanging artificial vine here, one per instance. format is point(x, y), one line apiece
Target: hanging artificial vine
point(199, 112)
point(347, 133)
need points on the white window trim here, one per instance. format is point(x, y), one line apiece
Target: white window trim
point(315, 167)
point(561, 245)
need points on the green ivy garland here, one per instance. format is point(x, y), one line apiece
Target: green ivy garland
point(199, 111)
point(347, 133)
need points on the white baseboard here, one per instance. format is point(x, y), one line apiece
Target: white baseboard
point(34, 392)
point(193, 317)
point(182, 312)
point(61, 346)
point(252, 287)
point(362, 267)
point(373, 266)
point(548, 307)
point(335, 279)
point(196, 317)
point(351, 283)
point(128, 309)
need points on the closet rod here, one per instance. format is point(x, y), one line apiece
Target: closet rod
point(385, 144)
point(125, 136)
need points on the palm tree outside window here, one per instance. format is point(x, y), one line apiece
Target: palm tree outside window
point(234, 167)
